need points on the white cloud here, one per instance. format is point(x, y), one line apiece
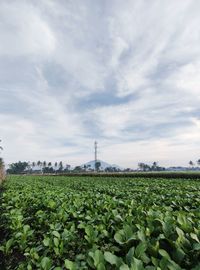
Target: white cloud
point(126, 73)
point(187, 79)
point(23, 31)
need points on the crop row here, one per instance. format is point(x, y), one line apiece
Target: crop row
point(195, 175)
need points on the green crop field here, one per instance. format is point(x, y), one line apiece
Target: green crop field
point(50, 222)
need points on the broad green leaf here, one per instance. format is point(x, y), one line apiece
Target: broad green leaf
point(164, 263)
point(26, 228)
point(137, 265)
point(178, 255)
point(164, 254)
point(173, 266)
point(112, 259)
point(56, 241)
point(141, 235)
point(70, 265)
point(130, 256)
point(184, 222)
point(46, 241)
point(101, 266)
point(194, 237)
point(52, 204)
point(98, 257)
point(46, 263)
point(8, 245)
point(55, 233)
point(179, 232)
point(155, 261)
point(197, 246)
point(125, 235)
point(140, 249)
point(29, 267)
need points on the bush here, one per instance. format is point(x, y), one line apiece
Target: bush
point(2, 170)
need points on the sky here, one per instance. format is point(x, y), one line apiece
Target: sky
point(124, 73)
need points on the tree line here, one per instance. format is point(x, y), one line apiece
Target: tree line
point(49, 167)
point(154, 167)
point(58, 167)
point(37, 167)
point(192, 164)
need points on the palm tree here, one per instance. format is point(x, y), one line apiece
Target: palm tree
point(141, 166)
point(144, 167)
point(198, 162)
point(44, 164)
point(60, 166)
point(154, 165)
point(191, 163)
point(39, 164)
point(33, 164)
point(29, 166)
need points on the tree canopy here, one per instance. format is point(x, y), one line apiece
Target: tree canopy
point(18, 167)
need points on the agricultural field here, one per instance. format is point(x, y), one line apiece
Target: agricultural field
point(50, 222)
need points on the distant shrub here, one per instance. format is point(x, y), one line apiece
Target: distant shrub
point(2, 170)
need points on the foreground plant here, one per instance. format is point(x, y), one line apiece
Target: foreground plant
point(100, 223)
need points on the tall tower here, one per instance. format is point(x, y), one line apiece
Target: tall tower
point(95, 154)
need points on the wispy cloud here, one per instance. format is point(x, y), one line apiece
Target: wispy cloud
point(124, 72)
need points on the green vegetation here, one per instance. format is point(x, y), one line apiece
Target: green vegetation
point(100, 223)
point(154, 167)
point(37, 167)
point(18, 167)
point(2, 173)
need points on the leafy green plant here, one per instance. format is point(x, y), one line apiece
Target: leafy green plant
point(100, 223)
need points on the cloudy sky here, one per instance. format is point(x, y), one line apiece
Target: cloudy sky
point(124, 73)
